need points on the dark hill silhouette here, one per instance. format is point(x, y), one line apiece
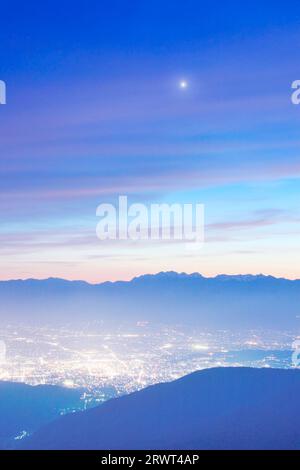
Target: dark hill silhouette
point(26, 408)
point(225, 408)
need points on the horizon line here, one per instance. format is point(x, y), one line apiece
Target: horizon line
point(178, 273)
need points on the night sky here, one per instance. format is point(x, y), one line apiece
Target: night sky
point(95, 109)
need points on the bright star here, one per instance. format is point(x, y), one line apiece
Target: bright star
point(183, 84)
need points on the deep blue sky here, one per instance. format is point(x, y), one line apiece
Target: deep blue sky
point(94, 110)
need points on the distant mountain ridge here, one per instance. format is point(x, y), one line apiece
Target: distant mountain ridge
point(159, 275)
point(241, 301)
point(225, 408)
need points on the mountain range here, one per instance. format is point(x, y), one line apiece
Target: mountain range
point(221, 302)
